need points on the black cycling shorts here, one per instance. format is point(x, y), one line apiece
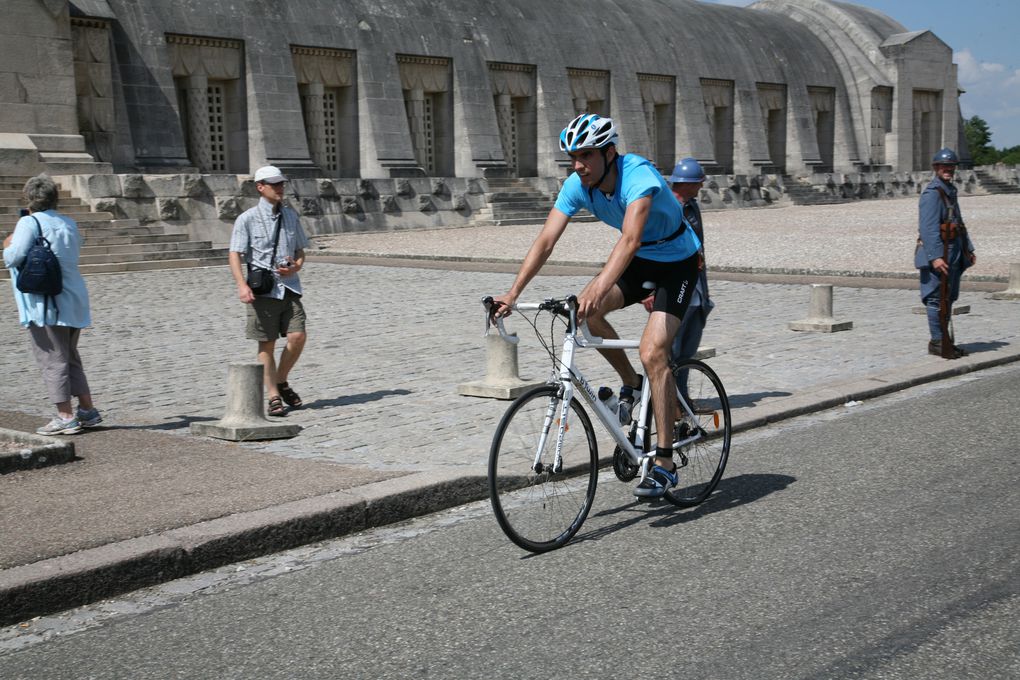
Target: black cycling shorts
point(673, 283)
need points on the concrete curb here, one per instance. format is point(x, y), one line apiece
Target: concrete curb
point(837, 394)
point(38, 451)
point(72, 580)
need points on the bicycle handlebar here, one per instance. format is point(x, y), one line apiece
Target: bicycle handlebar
point(565, 307)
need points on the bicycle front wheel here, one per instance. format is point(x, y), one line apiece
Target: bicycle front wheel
point(538, 504)
point(706, 456)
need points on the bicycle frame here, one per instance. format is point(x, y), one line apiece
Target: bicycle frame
point(570, 377)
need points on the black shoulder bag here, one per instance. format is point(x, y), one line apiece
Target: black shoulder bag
point(40, 273)
point(261, 280)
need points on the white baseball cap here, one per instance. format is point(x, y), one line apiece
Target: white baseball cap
point(270, 174)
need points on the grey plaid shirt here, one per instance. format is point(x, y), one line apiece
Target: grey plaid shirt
point(253, 238)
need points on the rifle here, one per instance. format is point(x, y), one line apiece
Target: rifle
point(948, 231)
point(948, 351)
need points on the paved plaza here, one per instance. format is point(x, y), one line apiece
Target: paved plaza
point(389, 346)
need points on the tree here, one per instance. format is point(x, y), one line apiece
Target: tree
point(979, 139)
point(1010, 156)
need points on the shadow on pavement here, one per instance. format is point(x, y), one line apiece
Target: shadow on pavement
point(354, 399)
point(752, 398)
point(182, 422)
point(976, 347)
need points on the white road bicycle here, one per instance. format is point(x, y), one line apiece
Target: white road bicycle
point(544, 461)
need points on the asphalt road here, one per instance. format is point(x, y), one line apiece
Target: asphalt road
point(877, 540)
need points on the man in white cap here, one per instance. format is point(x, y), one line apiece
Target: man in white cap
point(270, 239)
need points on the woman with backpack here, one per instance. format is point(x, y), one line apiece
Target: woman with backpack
point(54, 321)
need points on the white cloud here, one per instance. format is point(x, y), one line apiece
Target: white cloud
point(993, 93)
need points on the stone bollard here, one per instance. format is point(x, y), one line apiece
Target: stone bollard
point(244, 419)
point(820, 315)
point(501, 378)
point(1013, 292)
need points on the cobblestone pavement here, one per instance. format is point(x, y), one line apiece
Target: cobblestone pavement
point(866, 236)
point(389, 346)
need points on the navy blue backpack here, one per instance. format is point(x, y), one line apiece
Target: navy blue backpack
point(40, 272)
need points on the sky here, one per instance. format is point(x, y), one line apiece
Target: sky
point(985, 38)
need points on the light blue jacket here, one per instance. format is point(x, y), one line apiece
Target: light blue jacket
point(65, 241)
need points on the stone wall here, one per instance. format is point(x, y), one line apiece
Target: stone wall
point(205, 206)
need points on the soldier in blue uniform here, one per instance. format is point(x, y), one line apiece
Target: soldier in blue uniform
point(944, 250)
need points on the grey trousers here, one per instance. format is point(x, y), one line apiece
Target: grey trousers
point(56, 352)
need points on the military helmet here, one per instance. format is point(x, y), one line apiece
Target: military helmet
point(687, 171)
point(945, 156)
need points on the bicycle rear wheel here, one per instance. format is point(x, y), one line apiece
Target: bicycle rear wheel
point(705, 458)
point(540, 508)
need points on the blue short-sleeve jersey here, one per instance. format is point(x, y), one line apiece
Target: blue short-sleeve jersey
point(636, 177)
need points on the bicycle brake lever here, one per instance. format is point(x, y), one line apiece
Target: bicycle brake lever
point(492, 320)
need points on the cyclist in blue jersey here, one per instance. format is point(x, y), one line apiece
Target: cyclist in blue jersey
point(656, 245)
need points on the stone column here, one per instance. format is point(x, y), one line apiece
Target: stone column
point(315, 122)
point(198, 122)
point(504, 117)
point(653, 133)
point(416, 119)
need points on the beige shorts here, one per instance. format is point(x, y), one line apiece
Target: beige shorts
point(269, 318)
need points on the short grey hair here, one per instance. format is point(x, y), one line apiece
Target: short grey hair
point(41, 193)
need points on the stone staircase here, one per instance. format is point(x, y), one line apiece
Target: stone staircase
point(994, 185)
point(517, 201)
point(802, 193)
point(113, 245)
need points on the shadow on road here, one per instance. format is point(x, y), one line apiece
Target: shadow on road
point(731, 493)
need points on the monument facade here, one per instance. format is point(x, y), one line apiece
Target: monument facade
point(465, 89)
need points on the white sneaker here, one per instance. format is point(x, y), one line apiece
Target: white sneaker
point(60, 426)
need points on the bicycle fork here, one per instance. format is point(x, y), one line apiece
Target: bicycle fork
point(561, 428)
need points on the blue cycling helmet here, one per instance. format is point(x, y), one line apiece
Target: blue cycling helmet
point(588, 131)
point(945, 156)
point(687, 170)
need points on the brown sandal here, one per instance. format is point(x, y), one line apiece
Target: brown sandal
point(276, 407)
point(289, 395)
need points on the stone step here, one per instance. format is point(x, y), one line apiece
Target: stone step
point(67, 144)
point(150, 265)
point(73, 167)
point(15, 193)
point(147, 265)
point(154, 256)
point(84, 220)
point(518, 198)
point(13, 205)
point(101, 231)
point(509, 182)
point(530, 214)
point(135, 240)
point(106, 248)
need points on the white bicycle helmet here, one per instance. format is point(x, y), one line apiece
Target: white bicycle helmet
point(588, 131)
